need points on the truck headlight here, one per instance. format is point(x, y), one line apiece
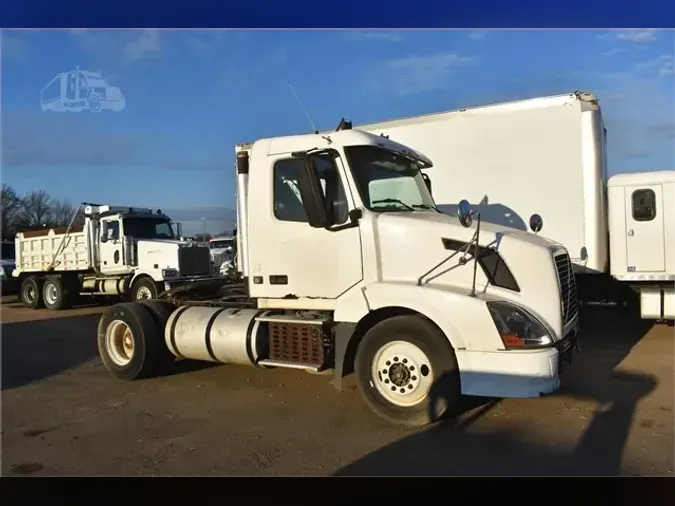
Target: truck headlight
point(518, 328)
point(169, 273)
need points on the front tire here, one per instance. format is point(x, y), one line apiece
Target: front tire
point(31, 293)
point(144, 289)
point(407, 371)
point(128, 342)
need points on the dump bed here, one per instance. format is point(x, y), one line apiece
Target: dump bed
point(37, 250)
point(544, 155)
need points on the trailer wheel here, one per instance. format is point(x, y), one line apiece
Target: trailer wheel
point(160, 311)
point(31, 293)
point(56, 294)
point(144, 289)
point(407, 371)
point(128, 342)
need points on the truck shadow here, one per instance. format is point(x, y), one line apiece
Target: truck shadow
point(37, 349)
point(461, 447)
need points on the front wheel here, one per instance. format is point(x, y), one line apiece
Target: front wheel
point(144, 289)
point(407, 371)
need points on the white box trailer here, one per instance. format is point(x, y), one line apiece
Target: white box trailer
point(544, 156)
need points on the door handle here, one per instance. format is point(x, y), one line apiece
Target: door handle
point(631, 233)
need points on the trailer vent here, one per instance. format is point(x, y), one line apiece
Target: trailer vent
point(568, 287)
point(298, 343)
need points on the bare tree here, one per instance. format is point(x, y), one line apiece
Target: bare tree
point(62, 213)
point(36, 209)
point(10, 206)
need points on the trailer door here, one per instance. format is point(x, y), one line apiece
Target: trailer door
point(645, 245)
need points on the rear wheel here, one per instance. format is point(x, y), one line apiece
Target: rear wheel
point(128, 342)
point(160, 311)
point(57, 294)
point(31, 293)
point(407, 371)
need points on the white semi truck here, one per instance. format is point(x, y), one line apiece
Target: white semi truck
point(119, 251)
point(548, 156)
point(345, 264)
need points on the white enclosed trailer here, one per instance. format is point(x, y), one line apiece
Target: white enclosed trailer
point(119, 250)
point(336, 272)
point(545, 156)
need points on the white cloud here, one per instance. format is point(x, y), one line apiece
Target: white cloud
point(637, 36)
point(661, 65)
point(415, 74)
point(477, 34)
point(615, 51)
point(381, 36)
point(145, 44)
point(122, 46)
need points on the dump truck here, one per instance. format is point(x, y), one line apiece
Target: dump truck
point(548, 156)
point(344, 264)
point(119, 251)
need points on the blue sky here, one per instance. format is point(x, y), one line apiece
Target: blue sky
point(192, 95)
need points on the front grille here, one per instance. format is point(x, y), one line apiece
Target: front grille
point(194, 261)
point(568, 287)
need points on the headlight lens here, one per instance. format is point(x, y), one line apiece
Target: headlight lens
point(169, 273)
point(518, 328)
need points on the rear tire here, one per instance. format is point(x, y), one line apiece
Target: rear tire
point(407, 371)
point(31, 293)
point(160, 311)
point(128, 342)
point(144, 289)
point(56, 294)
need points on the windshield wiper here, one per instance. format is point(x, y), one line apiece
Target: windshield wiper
point(394, 201)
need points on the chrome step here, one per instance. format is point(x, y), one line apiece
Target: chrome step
point(291, 319)
point(288, 365)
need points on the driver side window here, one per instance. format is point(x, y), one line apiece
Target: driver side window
point(114, 230)
point(286, 192)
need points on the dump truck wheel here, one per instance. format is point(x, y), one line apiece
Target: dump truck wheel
point(31, 293)
point(144, 289)
point(56, 294)
point(407, 371)
point(128, 342)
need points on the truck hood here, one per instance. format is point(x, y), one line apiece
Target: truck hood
point(176, 242)
point(417, 246)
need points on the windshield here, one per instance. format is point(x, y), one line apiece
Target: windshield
point(148, 228)
point(388, 181)
point(8, 251)
point(225, 243)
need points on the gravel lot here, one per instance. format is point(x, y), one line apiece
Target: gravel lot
point(62, 414)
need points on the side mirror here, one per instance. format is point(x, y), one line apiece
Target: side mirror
point(179, 229)
point(427, 181)
point(465, 213)
point(311, 192)
point(104, 231)
point(536, 223)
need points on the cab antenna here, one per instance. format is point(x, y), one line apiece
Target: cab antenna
point(290, 85)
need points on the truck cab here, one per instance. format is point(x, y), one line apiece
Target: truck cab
point(346, 264)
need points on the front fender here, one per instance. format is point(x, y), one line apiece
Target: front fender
point(464, 320)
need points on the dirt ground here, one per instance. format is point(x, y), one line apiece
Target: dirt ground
point(62, 414)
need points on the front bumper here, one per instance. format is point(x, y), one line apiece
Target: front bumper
point(170, 284)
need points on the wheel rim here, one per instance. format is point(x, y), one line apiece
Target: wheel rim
point(143, 292)
point(29, 294)
point(51, 294)
point(402, 373)
point(119, 342)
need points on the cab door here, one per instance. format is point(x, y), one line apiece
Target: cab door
point(110, 247)
point(645, 245)
point(287, 256)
